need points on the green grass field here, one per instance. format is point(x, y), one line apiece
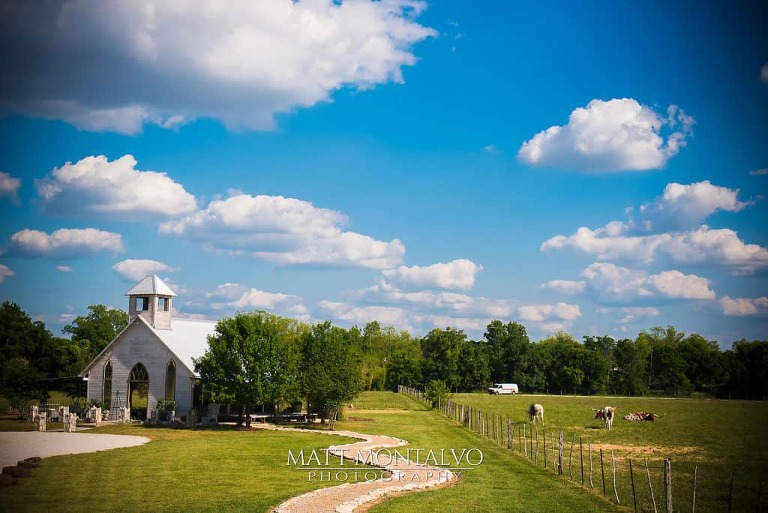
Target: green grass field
point(226, 469)
point(715, 437)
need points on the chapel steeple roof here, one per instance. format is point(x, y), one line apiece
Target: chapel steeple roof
point(151, 286)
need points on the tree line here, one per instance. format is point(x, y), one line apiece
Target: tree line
point(260, 358)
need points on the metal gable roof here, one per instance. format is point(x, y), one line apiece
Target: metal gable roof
point(188, 339)
point(151, 285)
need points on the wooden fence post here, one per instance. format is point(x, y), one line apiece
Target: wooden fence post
point(591, 483)
point(632, 480)
point(668, 484)
point(544, 438)
point(730, 495)
point(560, 455)
point(509, 433)
point(570, 456)
point(602, 470)
point(525, 443)
point(615, 490)
point(650, 487)
point(693, 499)
point(581, 457)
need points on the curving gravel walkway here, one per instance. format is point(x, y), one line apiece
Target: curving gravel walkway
point(15, 446)
point(403, 476)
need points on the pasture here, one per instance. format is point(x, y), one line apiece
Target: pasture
point(715, 438)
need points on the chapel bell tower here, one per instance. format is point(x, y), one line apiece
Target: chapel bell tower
point(151, 299)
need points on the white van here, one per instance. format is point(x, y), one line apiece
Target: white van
point(503, 388)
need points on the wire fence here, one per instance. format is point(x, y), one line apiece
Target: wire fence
point(645, 484)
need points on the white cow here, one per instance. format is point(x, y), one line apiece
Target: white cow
point(536, 412)
point(607, 415)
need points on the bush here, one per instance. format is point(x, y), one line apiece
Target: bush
point(437, 392)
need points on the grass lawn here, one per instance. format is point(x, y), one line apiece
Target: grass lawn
point(197, 470)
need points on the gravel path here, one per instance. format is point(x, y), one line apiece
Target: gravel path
point(15, 446)
point(403, 476)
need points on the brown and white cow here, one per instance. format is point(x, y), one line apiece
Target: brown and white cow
point(606, 414)
point(536, 412)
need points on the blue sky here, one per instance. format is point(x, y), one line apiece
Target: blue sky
point(570, 166)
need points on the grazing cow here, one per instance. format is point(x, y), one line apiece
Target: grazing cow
point(607, 415)
point(536, 412)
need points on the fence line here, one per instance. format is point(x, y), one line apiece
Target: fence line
point(523, 438)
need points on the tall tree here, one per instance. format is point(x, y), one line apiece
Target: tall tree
point(509, 351)
point(474, 366)
point(330, 373)
point(704, 362)
point(441, 350)
point(404, 367)
point(252, 359)
point(747, 368)
point(665, 368)
point(93, 331)
point(631, 376)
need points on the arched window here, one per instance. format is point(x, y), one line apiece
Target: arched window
point(170, 382)
point(106, 392)
point(138, 391)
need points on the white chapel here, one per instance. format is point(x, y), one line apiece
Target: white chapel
point(152, 358)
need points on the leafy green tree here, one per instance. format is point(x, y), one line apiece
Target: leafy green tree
point(563, 358)
point(20, 383)
point(437, 392)
point(252, 359)
point(474, 366)
point(509, 351)
point(631, 375)
point(404, 367)
point(330, 373)
point(704, 363)
point(441, 350)
point(20, 336)
point(604, 346)
point(747, 370)
point(95, 330)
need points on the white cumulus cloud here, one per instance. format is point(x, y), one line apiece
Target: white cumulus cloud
point(137, 269)
point(96, 186)
point(744, 307)
point(64, 243)
point(5, 272)
point(231, 296)
point(614, 283)
point(631, 314)
point(565, 286)
point(284, 231)
point(458, 274)
point(669, 228)
point(9, 186)
point(118, 65)
point(538, 313)
point(687, 206)
point(361, 315)
point(614, 135)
